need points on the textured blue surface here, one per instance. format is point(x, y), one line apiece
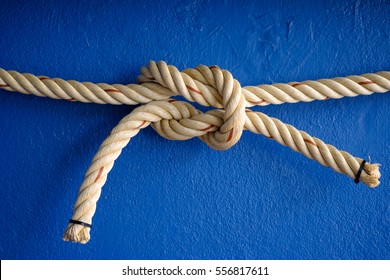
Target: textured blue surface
point(182, 200)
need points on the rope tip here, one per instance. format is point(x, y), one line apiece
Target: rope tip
point(371, 178)
point(77, 234)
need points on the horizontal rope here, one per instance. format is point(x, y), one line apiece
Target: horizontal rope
point(196, 90)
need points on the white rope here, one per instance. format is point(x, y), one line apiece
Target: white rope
point(177, 120)
point(197, 89)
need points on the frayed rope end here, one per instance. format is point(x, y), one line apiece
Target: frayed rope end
point(77, 233)
point(371, 175)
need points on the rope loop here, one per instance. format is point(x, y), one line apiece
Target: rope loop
point(205, 82)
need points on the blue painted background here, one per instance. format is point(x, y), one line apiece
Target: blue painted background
point(182, 200)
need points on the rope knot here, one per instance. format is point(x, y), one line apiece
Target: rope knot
point(208, 86)
point(220, 128)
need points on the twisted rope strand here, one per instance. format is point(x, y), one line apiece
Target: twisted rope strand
point(220, 129)
point(109, 151)
point(193, 86)
point(311, 147)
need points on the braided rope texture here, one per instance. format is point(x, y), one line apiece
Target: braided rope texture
point(177, 120)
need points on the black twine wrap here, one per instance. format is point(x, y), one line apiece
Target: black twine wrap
point(79, 223)
point(357, 179)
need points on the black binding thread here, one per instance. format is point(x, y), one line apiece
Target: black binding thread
point(79, 223)
point(357, 179)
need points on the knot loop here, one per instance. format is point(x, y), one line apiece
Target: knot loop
point(210, 86)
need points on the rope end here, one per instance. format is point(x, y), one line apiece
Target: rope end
point(77, 233)
point(371, 175)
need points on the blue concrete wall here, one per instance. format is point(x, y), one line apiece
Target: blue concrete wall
point(182, 200)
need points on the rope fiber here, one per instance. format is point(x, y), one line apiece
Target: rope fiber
point(177, 120)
